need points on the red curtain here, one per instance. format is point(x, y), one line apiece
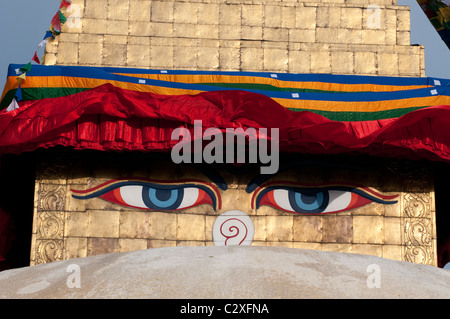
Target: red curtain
point(111, 119)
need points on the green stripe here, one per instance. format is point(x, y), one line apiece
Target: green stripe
point(38, 94)
point(7, 99)
point(267, 87)
point(41, 93)
point(361, 116)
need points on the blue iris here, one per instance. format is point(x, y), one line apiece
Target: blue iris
point(166, 199)
point(309, 201)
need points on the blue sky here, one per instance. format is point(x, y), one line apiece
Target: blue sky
point(24, 23)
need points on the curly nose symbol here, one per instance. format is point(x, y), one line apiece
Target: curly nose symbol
point(233, 228)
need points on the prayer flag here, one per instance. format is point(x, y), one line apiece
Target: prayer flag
point(26, 68)
point(65, 4)
point(56, 22)
point(48, 34)
point(18, 95)
point(62, 18)
point(35, 58)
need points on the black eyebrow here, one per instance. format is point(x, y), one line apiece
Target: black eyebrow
point(203, 168)
point(256, 181)
point(212, 174)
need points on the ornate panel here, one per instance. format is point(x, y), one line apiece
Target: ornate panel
point(418, 215)
point(51, 197)
point(50, 225)
point(48, 251)
point(418, 228)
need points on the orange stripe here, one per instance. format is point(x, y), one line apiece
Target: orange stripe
point(325, 86)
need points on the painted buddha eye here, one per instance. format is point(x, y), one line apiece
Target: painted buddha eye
point(152, 195)
point(317, 200)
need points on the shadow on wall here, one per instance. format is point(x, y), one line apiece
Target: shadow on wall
point(17, 175)
point(442, 190)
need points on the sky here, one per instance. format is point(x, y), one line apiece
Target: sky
point(23, 24)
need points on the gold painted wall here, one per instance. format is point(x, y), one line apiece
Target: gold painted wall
point(259, 35)
point(66, 228)
point(313, 36)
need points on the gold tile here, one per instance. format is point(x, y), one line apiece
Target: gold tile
point(351, 18)
point(128, 244)
point(191, 227)
point(155, 243)
point(103, 224)
point(162, 226)
point(162, 11)
point(75, 247)
point(279, 228)
point(229, 58)
point(253, 15)
point(260, 225)
point(118, 9)
point(185, 12)
point(138, 55)
point(229, 14)
point(67, 53)
point(368, 229)
point(76, 224)
point(90, 53)
point(287, 244)
point(114, 54)
point(394, 252)
point(101, 246)
point(208, 13)
point(95, 9)
point(190, 243)
point(95, 26)
point(134, 224)
point(272, 16)
point(392, 231)
point(373, 250)
point(337, 228)
point(344, 248)
point(140, 10)
point(305, 17)
point(300, 245)
point(307, 228)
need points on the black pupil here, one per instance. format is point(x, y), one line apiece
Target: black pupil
point(163, 194)
point(308, 198)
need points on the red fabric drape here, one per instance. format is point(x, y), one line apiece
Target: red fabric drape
point(111, 119)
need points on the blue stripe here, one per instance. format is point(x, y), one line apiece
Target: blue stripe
point(100, 73)
point(41, 70)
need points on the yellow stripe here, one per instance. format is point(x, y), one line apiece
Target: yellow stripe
point(371, 106)
point(61, 82)
point(325, 86)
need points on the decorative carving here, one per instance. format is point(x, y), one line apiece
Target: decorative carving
point(49, 219)
point(51, 197)
point(417, 214)
point(50, 225)
point(49, 251)
point(418, 228)
point(417, 205)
